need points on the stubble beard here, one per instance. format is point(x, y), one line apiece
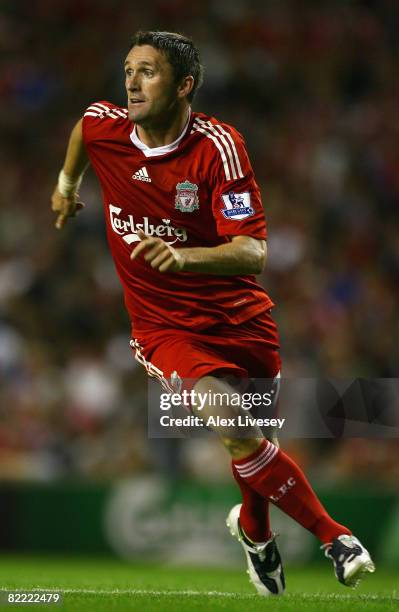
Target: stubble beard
point(150, 121)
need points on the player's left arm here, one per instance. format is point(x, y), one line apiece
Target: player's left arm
point(243, 255)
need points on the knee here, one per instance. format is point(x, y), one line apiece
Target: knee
point(241, 447)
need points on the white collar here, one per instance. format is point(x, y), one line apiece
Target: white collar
point(155, 151)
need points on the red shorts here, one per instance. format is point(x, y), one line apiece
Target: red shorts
point(248, 350)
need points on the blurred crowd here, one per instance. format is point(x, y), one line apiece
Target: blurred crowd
point(313, 87)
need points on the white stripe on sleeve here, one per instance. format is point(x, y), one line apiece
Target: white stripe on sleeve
point(208, 125)
point(219, 146)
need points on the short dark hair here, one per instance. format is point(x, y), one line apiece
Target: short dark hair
point(180, 52)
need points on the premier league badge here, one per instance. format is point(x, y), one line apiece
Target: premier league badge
point(237, 206)
point(186, 199)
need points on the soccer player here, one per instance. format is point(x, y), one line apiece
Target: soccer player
point(186, 229)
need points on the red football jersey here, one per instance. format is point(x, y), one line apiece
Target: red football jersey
point(198, 191)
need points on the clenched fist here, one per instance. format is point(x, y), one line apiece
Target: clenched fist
point(158, 253)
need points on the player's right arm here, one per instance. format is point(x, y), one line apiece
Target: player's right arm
point(65, 197)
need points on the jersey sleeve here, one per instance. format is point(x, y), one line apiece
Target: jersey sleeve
point(93, 124)
point(236, 199)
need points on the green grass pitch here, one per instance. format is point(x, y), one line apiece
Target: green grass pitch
point(103, 584)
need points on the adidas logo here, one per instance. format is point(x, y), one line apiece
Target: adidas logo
point(142, 175)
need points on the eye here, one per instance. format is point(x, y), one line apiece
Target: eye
point(148, 73)
point(128, 72)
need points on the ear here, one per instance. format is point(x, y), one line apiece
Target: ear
point(185, 86)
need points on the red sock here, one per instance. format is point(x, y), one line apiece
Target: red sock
point(254, 513)
point(272, 474)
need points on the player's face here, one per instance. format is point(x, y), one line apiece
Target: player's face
point(150, 85)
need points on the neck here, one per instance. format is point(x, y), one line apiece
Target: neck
point(165, 133)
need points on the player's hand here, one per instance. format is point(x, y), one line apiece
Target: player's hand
point(158, 253)
point(65, 207)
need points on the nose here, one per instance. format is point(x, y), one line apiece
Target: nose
point(133, 83)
